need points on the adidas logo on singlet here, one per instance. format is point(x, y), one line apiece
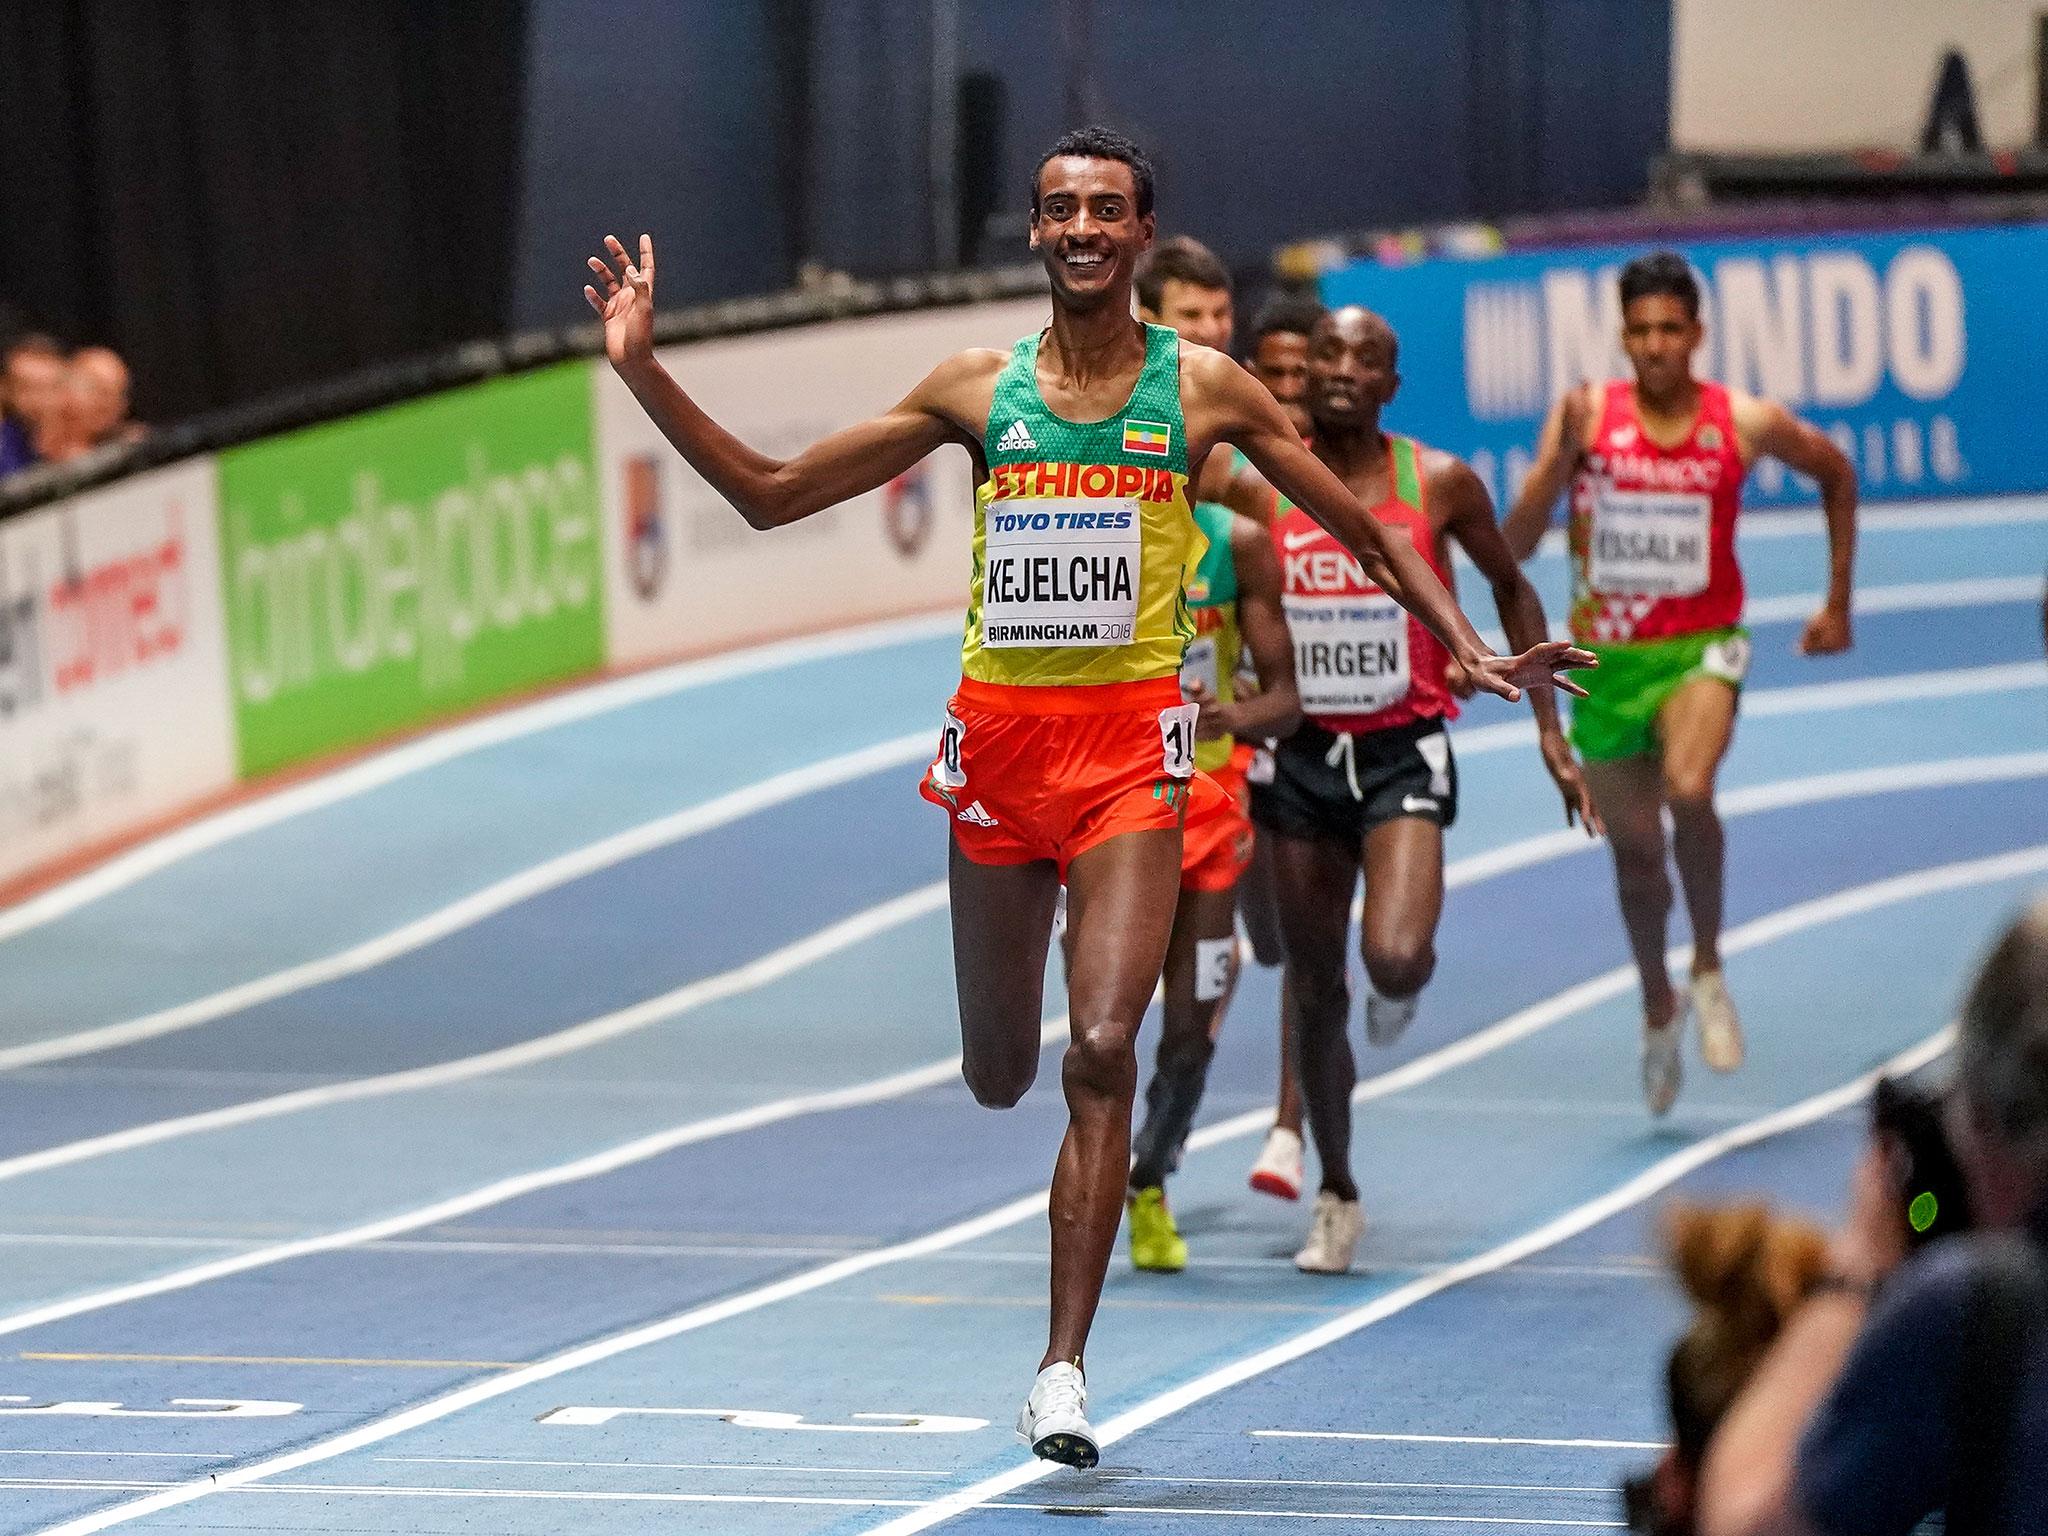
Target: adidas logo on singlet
point(1017, 437)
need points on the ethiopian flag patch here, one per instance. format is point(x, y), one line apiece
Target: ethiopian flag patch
point(1149, 437)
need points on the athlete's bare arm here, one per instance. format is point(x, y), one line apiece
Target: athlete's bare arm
point(1766, 427)
point(1459, 501)
point(1237, 486)
point(770, 492)
point(1224, 404)
point(1557, 456)
point(1274, 710)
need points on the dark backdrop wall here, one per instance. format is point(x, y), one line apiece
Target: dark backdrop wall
point(246, 195)
point(1270, 119)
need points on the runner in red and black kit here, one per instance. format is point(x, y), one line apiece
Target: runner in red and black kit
point(1368, 781)
point(1656, 464)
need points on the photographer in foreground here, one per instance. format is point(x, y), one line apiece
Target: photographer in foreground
point(1892, 1395)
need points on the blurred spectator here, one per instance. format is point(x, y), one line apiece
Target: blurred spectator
point(1902, 1389)
point(102, 379)
point(1745, 1271)
point(31, 381)
point(63, 431)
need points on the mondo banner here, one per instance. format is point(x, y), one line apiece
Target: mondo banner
point(684, 573)
point(113, 692)
point(1916, 352)
point(389, 570)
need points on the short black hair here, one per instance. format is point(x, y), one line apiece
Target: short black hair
point(1664, 272)
point(1287, 314)
point(1179, 259)
point(1096, 143)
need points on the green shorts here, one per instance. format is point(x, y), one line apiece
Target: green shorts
point(1618, 716)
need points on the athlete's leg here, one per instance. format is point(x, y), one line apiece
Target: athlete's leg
point(1694, 728)
point(1201, 973)
point(1002, 925)
point(1629, 792)
point(1288, 1115)
point(1260, 905)
point(1315, 878)
point(1120, 907)
point(1404, 897)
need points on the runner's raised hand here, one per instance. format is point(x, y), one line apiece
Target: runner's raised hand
point(624, 300)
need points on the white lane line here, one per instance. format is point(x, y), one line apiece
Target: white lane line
point(442, 746)
point(795, 783)
point(760, 1468)
point(842, 1501)
point(676, 827)
point(600, 698)
point(1812, 698)
point(1776, 925)
point(1899, 597)
point(1459, 873)
point(1562, 1445)
point(1652, 1180)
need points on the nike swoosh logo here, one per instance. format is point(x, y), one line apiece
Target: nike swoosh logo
point(1299, 540)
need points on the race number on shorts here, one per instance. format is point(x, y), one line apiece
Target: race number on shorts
point(1650, 543)
point(947, 771)
point(1061, 573)
point(1350, 652)
point(1177, 740)
point(1727, 658)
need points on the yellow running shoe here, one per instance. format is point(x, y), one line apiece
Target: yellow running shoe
point(1156, 1244)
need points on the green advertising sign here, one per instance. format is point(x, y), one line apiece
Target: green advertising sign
point(385, 571)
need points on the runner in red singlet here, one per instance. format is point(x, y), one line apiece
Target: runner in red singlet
point(1656, 466)
point(1367, 782)
point(1279, 360)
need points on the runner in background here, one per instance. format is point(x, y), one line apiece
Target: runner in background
point(1278, 360)
point(1235, 597)
point(1656, 465)
point(1368, 783)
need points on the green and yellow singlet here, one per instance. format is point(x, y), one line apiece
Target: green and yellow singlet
point(1084, 539)
point(1214, 653)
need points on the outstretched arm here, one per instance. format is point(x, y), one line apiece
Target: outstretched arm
point(1768, 427)
point(1244, 413)
point(1461, 498)
point(1557, 455)
point(766, 492)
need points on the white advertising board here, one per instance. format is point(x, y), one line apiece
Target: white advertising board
point(683, 573)
point(113, 677)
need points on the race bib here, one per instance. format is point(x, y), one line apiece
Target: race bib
point(1350, 653)
point(1177, 741)
point(1061, 573)
point(1199, 666)
point(1650, 543)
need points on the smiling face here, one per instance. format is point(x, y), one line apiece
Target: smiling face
point(1660, 334)
point(1088, 230)
point(1351, 372)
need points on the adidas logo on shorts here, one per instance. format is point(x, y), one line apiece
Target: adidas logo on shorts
point(1017, 437)
point(977, 814)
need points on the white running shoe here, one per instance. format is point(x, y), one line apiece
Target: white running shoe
point(1054, 1419)
point(1333, 1235)
point(1278, 1170)
point(1387, 1018)
point(1720, 1029)
point(1663, 1068)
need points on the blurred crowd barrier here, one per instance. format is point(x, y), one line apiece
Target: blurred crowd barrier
point(187, 629)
